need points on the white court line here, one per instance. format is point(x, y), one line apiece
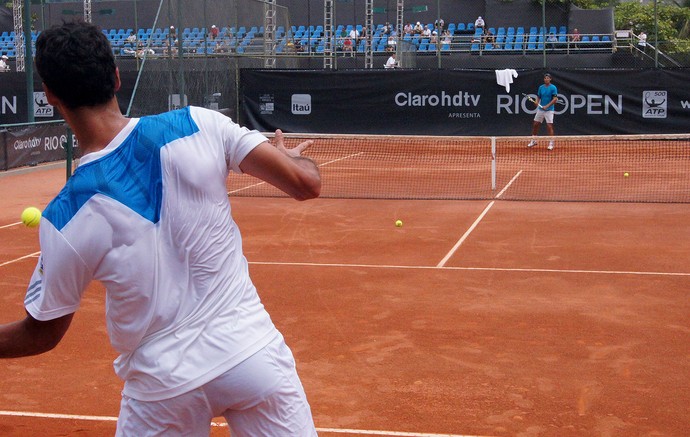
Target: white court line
point(223, 424)
point(509, 184)
point(10, 225)
point(341, 159)
point(389, 433)
point(320, 165)
point(462, 239)
point(484, 269)
point(20, 258)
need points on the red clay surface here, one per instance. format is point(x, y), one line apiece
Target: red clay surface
point(551, 319)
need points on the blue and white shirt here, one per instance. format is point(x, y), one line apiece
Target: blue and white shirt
point(149, 217)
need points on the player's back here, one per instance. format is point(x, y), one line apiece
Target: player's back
point(150, 217)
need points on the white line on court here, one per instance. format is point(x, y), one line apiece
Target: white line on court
point(485, 269)
point(462, 239)
point(20, 258)
point(340, 159)
point(509, 184)
point(223, 424)
point(10, 225)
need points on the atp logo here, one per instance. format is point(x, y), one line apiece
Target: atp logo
point(41, 106)
point(654, 104)
point(301, 104)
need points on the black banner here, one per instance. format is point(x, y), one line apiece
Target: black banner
point(462, 102)
point(34, 145)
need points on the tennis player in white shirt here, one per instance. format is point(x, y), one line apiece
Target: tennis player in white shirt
point(147, 214)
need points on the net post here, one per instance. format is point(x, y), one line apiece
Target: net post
point(493, 163)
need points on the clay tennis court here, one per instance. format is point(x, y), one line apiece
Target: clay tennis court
point(476, 318)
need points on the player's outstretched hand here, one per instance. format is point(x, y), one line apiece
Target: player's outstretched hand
point(295, 151)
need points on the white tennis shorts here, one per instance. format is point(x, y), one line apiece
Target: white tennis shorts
point(542, 115)
point(262, 396)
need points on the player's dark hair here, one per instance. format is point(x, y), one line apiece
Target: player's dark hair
point(76, 63)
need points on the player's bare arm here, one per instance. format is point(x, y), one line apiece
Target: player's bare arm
point(284, 168)
point(552, 102)
point(32, 337)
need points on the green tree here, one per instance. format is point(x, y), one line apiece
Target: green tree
point(672, 21)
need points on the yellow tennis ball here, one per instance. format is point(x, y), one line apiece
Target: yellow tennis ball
point(31, 216)
point(626, 174)
point(398, 223)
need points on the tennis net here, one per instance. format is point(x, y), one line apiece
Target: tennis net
point(613, 168)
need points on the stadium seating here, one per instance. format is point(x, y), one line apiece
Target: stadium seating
point(249, 39)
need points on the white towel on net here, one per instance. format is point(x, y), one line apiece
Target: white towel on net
point(505, 77)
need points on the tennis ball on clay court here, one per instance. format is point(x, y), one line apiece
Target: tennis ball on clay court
point(626, 174)
point(398, 223)
point(31, 216)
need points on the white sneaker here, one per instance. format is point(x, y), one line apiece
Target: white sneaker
point(532, 143)
point(551, 145)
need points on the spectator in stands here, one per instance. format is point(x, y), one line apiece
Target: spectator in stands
point(547, 96)
point(551, 39)
point(392, 42)
point(213, 34)
point(387, 28)
point(298, 46)
point(4, 67)
point(142, 50)
point(392, 62)
point(172, 34)
point(446, 37)
point(489, 38)
point(575, 37)
point(479, 23)
point(408, 29)
point(168, 50)
point(426, 33)
point(418, 28)
point(642, 40)
point(220, 47)
point(440, 24)
point(132, 38)
point(354, 35)
point(434, 37)
point(347, 46)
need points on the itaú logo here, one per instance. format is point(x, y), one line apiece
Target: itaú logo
point(459, 99)
point(301, 104)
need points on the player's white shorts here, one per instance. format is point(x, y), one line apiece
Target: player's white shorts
point(262, 396)
point(542, 115)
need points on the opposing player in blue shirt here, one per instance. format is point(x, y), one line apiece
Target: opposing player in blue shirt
point(547, 96)
point(147, 214)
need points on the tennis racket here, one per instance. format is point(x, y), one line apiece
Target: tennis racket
point(533, 100)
